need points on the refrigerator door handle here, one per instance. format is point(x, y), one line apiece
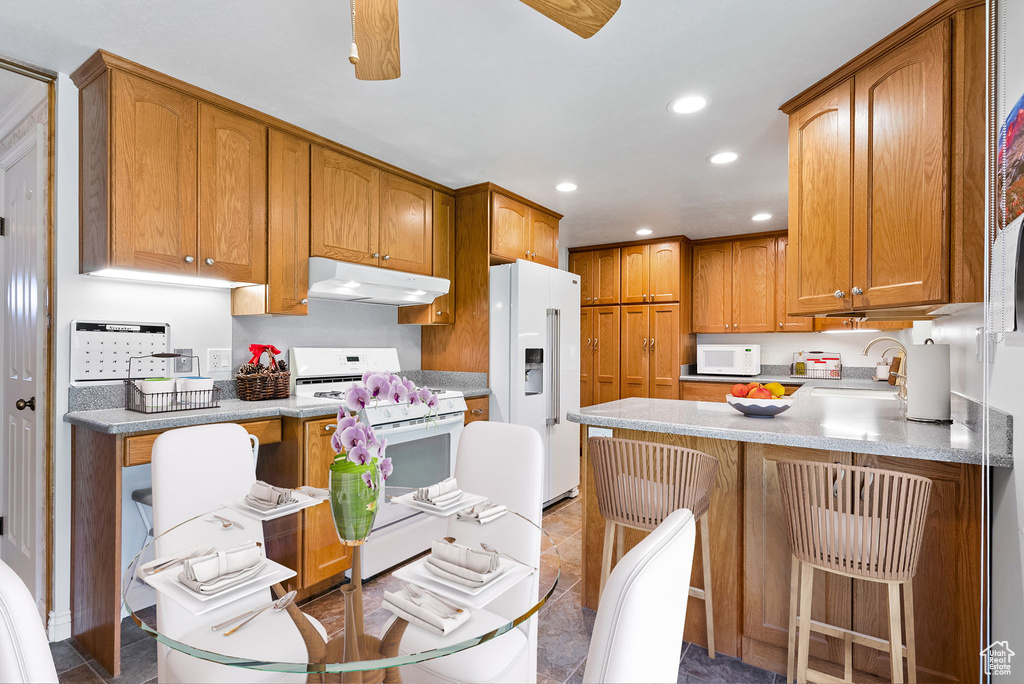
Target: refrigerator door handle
point(555, 361)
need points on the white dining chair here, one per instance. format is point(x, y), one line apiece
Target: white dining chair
point(196, 470)
point(503, 462)
point(24, 652)
point(638, 633)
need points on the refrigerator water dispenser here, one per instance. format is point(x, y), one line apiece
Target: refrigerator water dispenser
point(534, 371)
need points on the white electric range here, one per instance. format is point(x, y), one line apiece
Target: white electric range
point(421, 446)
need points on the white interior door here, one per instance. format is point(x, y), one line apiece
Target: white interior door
point(23, 180)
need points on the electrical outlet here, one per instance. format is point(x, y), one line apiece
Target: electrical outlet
point(183, 364)
point(219, 359)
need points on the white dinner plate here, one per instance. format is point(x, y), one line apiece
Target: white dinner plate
point(301, 501)
point(473, 597)
point(167, 583)
point(464, 501)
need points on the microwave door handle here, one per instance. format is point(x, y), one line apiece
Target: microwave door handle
point(554, 361)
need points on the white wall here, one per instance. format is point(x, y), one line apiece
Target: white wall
point(778, 348)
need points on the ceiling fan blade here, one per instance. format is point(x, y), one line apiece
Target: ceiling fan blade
point(582, 17)
point(377, 38)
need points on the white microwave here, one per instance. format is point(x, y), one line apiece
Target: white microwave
point(729, 359)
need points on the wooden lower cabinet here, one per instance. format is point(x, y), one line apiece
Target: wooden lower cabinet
point(323, 556)
point(606, 354)
point(586, 356)
point(477, 408)
point(636, 361)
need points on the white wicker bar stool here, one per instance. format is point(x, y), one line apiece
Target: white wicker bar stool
point(638, 484)
point(863, 523)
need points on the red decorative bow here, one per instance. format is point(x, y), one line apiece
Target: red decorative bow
point(257, 351)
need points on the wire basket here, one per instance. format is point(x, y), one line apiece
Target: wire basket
point(162, 402)
point(810, 373)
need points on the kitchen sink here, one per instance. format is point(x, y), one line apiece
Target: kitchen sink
point(876, 395)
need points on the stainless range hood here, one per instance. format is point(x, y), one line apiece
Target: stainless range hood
point(340, 280)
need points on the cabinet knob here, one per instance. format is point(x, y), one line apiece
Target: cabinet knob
point(857, 291)
point(846, 321)
point(839, 294)
point(439, 312)
point(376, 255)
point(386, 257)
point(726, 326)
point(209, 261)
point(189, 259)
point(303, 301)
point(780, 325)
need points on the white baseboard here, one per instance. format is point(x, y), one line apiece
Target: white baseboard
point(58, 627)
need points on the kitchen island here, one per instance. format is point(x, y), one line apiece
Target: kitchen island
point(750, 555)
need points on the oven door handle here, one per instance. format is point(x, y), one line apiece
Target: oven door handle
point(439, 423)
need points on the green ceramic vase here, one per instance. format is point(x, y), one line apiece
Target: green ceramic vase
point(353, 503)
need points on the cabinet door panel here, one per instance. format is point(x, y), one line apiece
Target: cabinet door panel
point(406, 225)
point(633, 345)
point(345, 208)
point(605, 281)
point(323, 555)
point(153, 177)
point(586, 356)
point(901, 182)
point(712, 287)
point(767, 557)
point(288, 224)
point(443, 307)
point(606, 354)
point(947, 583)
point(544, 238)
point(664, 351)
point(820, 203)
point(232, 196)
point(510, 228)
point(753, 285)
point(785, 322)
point(635, 271)
point(582, 264)
point(664, 278)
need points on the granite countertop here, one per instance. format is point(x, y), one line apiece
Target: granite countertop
point(866, 426)
point(120, 421)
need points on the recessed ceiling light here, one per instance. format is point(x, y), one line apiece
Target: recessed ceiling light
point(760, 217)
point(566, 187)
point(688, 104)
point(723, 158)
point(644, 231)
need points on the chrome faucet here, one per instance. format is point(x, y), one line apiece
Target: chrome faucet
point(901, 376)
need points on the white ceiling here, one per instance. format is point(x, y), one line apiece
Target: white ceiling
point(491, 90)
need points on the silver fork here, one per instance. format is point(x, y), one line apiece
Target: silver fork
point(202, 551)
point(417, 592)
point(490, 549)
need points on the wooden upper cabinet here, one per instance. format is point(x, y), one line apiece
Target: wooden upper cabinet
point(344, 206)
point(753, 285)
point(510, 228)
point(606, 354)
point(149, 139)
point(406, 225)
point(582, 264)
point(664, 278)
point(586, 356)
point(663, 351)
point(543, 238)
point(634, 274)
point(288, 224)
point(712, 287)
point(901, 177)
point(605, 276)
point(634, 339)
point(784, 322)
point(820, 203)
point(442, 310)
point(232, 196)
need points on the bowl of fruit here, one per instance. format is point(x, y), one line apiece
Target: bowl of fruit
point(759, 401)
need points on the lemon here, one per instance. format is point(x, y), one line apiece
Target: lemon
point(776, 389)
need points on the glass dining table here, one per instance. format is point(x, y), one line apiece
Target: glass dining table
point(197, 622)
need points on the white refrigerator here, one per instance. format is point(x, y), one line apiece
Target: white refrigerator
point(535, 362)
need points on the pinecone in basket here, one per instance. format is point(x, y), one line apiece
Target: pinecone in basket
point(282, 366)
point(251, 369)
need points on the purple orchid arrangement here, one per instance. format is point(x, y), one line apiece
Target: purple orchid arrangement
point(357, 442)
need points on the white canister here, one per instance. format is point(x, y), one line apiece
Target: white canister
point(882, 371)
point(928, 382)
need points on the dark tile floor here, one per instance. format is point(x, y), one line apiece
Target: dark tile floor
point(564, 628)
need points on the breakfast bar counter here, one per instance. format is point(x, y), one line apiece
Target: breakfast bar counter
point(749, 547)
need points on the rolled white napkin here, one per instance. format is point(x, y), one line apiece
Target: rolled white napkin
point(266, 497)
point(222, 570)
point(426, 612)
point(440, 494)
point(462, 564)
point(483, 512)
